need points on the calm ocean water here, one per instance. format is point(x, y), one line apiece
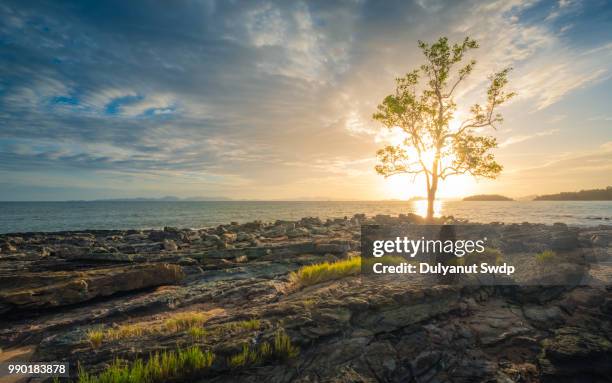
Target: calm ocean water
point(57, 216)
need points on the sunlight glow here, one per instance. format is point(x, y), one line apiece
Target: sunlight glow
point(420, 208)
point(401, 187)
point(406, 186)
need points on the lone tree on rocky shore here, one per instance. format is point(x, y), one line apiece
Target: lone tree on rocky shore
point(423, 113)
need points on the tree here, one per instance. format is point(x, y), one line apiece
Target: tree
point(423, 113)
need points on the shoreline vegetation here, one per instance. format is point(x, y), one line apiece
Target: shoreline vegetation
point(582, 195)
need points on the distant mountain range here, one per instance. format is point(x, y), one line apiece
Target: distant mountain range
point(582, 195)
point(167, 198)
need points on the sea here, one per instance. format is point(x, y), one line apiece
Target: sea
point(19, 217)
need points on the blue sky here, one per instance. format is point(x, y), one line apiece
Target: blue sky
point(273, 100)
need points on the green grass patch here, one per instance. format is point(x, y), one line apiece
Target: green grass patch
point(160, 367)
point(196, 332)
point(320, 272)
point(281, 349)
point(545, 256)
point(183, 321)
point(327, 271)
point(95, 336)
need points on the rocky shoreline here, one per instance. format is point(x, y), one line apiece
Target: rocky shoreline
point(57, 288)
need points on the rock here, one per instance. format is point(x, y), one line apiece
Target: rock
point(8, 247)
point(319, 230)
point(381, 358)
point(543, 317)
point(336, 247)
point(298, 232)
point(425, 361)
point(578, 353)
point(64, 288)
point(600, 240)
point(350, 329)
point(228, 237)
point(169, 245)
point(191, 236)
point(212, 240)
point(244, 237)
point(275, 232)
point(157, 235)
point(566, 240)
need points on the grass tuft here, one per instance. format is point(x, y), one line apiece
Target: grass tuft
point(320, 272)
point(183, 321)
point(196, 332)
point(545, 256)
point(95, 336)
point(128, 331)
point(281, 349)
point(160, 367)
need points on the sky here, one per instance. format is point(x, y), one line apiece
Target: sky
point(274, 100)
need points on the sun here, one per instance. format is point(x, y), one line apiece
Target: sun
point(402, 187)
point(406, 186)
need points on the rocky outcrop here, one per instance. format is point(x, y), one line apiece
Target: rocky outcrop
point(54, 287)
point(46, 290)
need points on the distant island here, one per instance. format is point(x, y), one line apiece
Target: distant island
point(487, 197)
point(582, 195)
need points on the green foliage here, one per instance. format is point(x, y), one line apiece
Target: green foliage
point(160, 367)
point(247, 357)
point(182, 321)
point(95, 336)
point(245, 325)
point(423, 107)
point(196, 332)
point(282, 349)
point(545, 256)
point(326, 271)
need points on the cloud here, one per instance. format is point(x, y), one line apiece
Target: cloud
point(600, 118)
point(521, 138)
point(264, 92)
point(556, 118)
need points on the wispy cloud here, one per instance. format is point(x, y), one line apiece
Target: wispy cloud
point(259, 92)
point(522, 138)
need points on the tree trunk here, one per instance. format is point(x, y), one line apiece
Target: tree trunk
point(431, 197)
point(431, 191)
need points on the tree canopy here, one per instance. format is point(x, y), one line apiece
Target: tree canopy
point(423, 107)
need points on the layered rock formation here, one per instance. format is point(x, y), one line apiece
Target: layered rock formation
point(56, 288)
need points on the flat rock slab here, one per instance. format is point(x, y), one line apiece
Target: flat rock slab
point(66, 288)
